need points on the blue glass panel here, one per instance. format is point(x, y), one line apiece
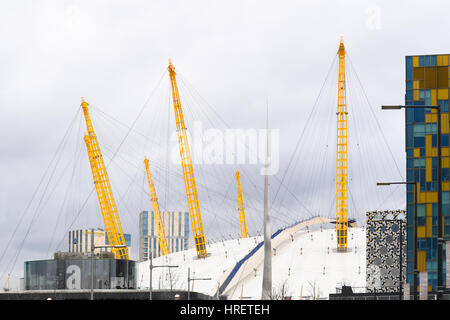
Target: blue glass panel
point(445, 174)
point(410, 275)
point(419, 142)
point(410, 153)
point(409, 136)
point(446, 217)
point(417, 176)
point(409, 115)
point(421, 210)
point(409, 95)
point(419, 103)
point(409, 85)
point(434, 141)
point(446, 197)
point(410, 175)
point(410, 215)
point(419, 130)
point(410, 235)
point(432, 60)
point(420, 221)
point(444, 140)
point(423, 243)
point(419, 115)
point(421, 62)
point(410, 255)
point(422, 152)
point(409, 68)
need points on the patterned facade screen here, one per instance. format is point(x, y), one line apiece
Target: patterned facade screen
point(383, 250)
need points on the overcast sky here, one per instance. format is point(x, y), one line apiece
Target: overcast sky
point(237, 54)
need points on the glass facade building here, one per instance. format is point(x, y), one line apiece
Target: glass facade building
point(427, 83)
point(81, 240)
point(176, 228)
point(76, 274)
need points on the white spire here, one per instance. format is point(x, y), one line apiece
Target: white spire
point(267, 271)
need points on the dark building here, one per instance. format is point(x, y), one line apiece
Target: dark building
point(74, 272)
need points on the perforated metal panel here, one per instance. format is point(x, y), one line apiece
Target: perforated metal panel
point(383, 250)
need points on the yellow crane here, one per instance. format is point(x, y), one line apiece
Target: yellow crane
point(188, 170)
point(162, 240)
point(242, 218)
point(341, 157)
point(104, 192)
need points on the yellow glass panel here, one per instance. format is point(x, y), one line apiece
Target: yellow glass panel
point(428, 117)
point(445, 186)
point(415, 61)
point(428, 145)
point(445, 151)
point(442, 94)
point(432, 197)
point(420, 233)
point(422, 197)
point(428, 167)
point(416, 84)
point(429, 211)
point(444, 123)
point(434, 152)
point(445, 162)
point(442, 60)
point(416, 95)
point(434, 116)
point(421, 259)
point(416, 152)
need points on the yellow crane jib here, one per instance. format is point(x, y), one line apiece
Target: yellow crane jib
point(188, 170)
point(341, 157)
point(103, 189)
point(242, 218)
point(162, 240)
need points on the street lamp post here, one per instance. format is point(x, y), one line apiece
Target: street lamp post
point(439, 176)
point(150, 293)
point(191, 279)
point(414, 184)
point(93, 247)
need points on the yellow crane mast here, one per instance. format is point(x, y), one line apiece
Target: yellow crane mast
point(242, 218)
point(104, 192)
point(188, 170)
point(341, 157)
point(162, 240)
